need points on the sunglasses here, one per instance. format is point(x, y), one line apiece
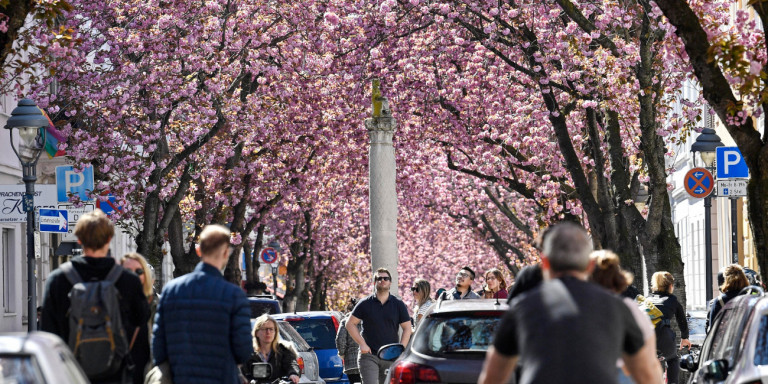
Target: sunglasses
point(382, 278)
point(138, 271)
point(414, 289)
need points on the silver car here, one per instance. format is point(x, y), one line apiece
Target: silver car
point(450, 343)
point(38, 357)
point(310, 368)
point(736, 347)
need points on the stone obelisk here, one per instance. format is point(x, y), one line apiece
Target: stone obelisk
point(382, 195)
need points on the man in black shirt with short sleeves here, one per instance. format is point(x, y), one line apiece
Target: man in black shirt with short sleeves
point(380, 313)
point(567, 330)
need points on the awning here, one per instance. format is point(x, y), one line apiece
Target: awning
point(66, 248)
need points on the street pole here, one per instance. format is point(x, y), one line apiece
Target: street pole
point(29, 176)
point(274, 280)
point(708, 246)
point(382, 195)
point(734, 232)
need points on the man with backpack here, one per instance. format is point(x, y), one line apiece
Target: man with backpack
point(95, 305)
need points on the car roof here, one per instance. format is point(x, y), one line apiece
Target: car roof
point(445, 306)
point(308, 314)
point(25, 343)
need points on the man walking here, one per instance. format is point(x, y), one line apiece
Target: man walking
point(463, 288)
point(380, 315)
point(567, 330)
point(94, 231)
point(202, 326)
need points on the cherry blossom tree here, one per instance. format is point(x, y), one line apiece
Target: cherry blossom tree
point(728, 58)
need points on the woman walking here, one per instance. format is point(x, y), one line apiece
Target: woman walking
point(662, 288)
point(139, 344)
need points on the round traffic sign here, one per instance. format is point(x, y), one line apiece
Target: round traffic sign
point(699, 182)
point(269, 255)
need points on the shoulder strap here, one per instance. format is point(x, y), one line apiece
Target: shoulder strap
point(720, 300)
point(114, 273)
point(71, 273)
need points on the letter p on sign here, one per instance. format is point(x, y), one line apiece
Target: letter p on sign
point(731, 164)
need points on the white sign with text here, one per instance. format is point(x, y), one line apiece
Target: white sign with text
point(11, 196)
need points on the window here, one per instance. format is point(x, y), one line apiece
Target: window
point(761, 346)
point(20, 369)
point(461, 334)
point(6, 247)
point(728, 332)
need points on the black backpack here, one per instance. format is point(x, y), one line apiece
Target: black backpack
point(96, 334)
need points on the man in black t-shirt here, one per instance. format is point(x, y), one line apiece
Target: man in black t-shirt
point(380, 314)
point(566, 330)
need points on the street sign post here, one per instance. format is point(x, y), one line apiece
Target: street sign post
point(269, 255)
point(730, 164)
point(699, 182)
point(732, 188)
point(53, 220)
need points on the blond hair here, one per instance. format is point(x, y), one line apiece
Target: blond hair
point(662, 281)
point(148, 281)
point(258, 323)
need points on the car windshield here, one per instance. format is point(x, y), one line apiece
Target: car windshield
point(319, 333)
point(259, 308)
point(288, 333)
point(467, 333)
point(19, 369)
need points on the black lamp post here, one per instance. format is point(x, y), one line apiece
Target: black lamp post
point(275, 266)
point(705, 145)
point(29, 120)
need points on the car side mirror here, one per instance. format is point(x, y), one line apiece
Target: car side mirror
point(687, 363)
point(716, 369)
point(390, 352)
point(261, 370)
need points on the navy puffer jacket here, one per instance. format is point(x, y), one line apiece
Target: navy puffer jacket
point(202, 327)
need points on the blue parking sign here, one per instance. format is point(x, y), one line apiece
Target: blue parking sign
point(731, 164)
point(69, 181)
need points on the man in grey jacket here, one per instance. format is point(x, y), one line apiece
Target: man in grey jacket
point(347, 346)
point(463, 288)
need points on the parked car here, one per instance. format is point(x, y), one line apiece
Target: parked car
point(261, 304)
point(736, 347)
point(450, 343)
point(319, 329)
point(38, 357)
point(310, 368)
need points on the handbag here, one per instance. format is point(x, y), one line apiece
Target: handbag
point(160, 374)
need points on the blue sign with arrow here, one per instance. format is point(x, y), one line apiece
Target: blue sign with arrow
point(53, 220)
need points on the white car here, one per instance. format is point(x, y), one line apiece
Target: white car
point(38, 357)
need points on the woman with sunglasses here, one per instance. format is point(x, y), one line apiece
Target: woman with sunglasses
point(268, 348)
point(140, 354)
point(421, 297)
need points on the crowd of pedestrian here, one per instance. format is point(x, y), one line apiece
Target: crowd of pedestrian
point(567, 320)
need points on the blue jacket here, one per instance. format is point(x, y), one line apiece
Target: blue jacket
point(202, 327)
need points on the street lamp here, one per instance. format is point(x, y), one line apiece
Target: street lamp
point(29, 120)
point(706, 145)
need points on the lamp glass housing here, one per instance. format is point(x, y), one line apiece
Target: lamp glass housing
point(708, 158)
point(29, 135)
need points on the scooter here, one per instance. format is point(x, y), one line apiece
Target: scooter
point(261, 373)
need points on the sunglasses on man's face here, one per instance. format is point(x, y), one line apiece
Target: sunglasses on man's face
point(382, 278)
